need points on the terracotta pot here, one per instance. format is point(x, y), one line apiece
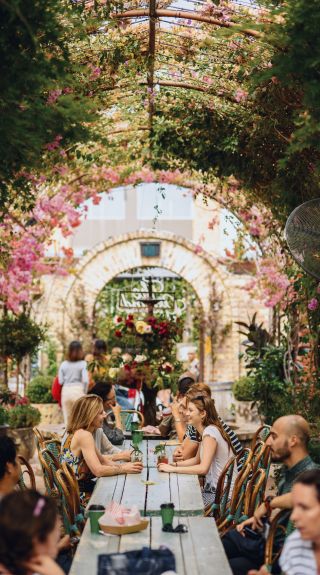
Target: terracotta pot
point(50, 412)
point(25, 441)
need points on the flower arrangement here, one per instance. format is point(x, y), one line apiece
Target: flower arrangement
point(146, 351)
point(17, 411)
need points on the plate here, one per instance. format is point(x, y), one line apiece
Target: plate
point(124, 529)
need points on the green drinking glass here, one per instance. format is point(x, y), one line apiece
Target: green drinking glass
point(167, 514)
point(137, 436)
point(134, 425)
point(94, 514)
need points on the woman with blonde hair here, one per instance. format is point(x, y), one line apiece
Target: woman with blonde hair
point(79, 450)
point(214, 449)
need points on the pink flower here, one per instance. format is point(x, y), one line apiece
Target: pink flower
point(313, 304)
point(241, 95)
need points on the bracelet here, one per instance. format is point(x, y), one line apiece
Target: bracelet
point(176, 463)
point(177, 420)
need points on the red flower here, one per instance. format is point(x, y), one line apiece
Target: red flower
point(118, 333)
point(119, 319)
point(168, 368)
point(129, 324)
point(130, 317)
point(127, 367)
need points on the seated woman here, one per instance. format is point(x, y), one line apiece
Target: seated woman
point(29, 534)
point(190, 443)
point(79, 449)
point(214, 450)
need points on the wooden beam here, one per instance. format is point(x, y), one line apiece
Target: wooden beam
point(164, 13)
point(187, 86)
point(151, 55)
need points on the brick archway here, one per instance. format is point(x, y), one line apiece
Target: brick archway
point(112, 257)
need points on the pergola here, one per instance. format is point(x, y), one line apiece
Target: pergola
point(185, 47)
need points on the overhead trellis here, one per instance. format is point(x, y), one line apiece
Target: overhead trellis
point(156, 52)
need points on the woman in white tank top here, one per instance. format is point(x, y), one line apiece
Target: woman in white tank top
point(73, 376)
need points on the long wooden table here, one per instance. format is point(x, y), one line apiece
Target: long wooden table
point(198, 552)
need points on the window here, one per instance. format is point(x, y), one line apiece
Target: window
point(164, 202)
point(150, 249)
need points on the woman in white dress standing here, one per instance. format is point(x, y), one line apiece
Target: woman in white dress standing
point(73, 376)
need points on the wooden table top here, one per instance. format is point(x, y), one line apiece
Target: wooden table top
point(198, 552)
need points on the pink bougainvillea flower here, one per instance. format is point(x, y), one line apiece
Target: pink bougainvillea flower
point(313, 304)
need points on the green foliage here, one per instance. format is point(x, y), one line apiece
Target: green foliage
point(3, 415)
point(23, 416)
point(271, 391)
point(264, 361)
point(35, 60)
point(39, 389)
point(19, 336)
point(242, 388)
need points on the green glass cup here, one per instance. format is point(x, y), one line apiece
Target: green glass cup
point(137, 436)
point(167, 514)
point(94, 514)
point(134, 425)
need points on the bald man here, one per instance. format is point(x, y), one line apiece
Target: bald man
point(288, 441)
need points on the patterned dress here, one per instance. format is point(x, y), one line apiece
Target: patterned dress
point(81, 470)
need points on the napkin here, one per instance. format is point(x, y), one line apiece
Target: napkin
point(117, 514)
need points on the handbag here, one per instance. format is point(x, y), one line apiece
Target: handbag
point(56, 390)
point(144, 561)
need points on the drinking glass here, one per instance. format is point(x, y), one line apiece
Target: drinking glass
point(137, 436)
point(167, 513)
point(94, 514)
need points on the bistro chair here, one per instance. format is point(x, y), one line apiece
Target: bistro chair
point(261, 435)
point(49, 465)
point(234, 512)
point(223, 492)
point(27, 479)
point(277, 527)
point(127, 417)
point(254, 493)
point(71, 509)
point(261, 457)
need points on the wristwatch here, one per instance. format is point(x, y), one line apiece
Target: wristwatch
point(267, 502)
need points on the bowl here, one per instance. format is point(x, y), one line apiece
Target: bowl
point(124, 529)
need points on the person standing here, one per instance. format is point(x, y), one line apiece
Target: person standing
point(73, 376)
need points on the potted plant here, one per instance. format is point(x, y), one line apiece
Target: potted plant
point(22, 417)
point(245, 407)
point(39, 394)
point(160, 451)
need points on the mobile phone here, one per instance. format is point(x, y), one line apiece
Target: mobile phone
point(251, 533)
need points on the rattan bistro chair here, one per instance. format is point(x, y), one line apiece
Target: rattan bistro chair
point(235, 509)
point(276, 527)
point(27, 479)
point(49, 465)
point(71, 509)
point(255, 492)
point(261, 435)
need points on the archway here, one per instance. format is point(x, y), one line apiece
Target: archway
point(209, 279)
